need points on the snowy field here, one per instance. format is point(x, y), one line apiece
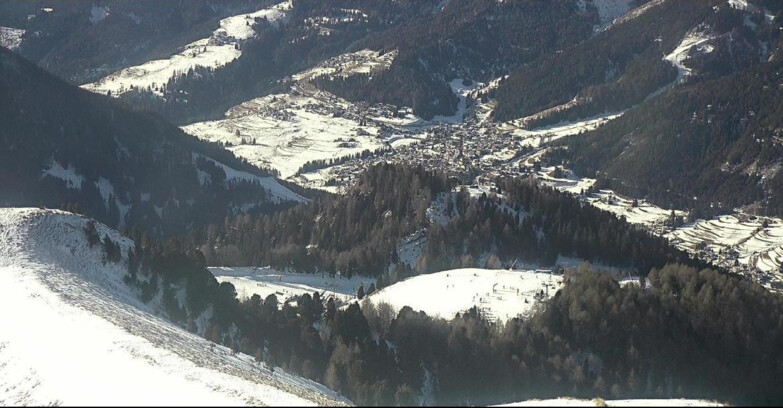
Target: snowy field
point(285, 131)
point(267, 281)
point(737, 239)
point(500, 294)
point(547, 134)
point(567, 182)
point(572, 402)
point(75, 334)
point(215, 51)
point(11, 38)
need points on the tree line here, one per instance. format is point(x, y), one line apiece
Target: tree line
point(362, 231)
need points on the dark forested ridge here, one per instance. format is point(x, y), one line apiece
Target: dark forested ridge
point(717, 140)
point(81, 41)
point(359, 233)
point(65, 147)
point(480, 40)
point(474, 39)
point(619, 67)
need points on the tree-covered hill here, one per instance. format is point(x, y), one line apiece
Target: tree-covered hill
point(65, 147)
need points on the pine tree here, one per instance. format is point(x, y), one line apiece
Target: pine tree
point(360, 292)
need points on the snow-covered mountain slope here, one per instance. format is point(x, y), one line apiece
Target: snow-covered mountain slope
point(267, 281)
point(215, 51)
point(697, 37)
point(277, 191)
point(499, 294)
point(75, 334)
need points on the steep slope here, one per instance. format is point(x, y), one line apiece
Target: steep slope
point(74, 333)
point(67, 147)
point(712, 146)
point(612, 70)
point(81, 41)
point(215, 51)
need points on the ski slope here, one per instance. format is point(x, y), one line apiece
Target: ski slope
point(75, 334)
point(499, 294)
point(217, 50)
point(285, 285)
point(694, 38)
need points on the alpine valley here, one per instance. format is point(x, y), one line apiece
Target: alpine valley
point(408, 202)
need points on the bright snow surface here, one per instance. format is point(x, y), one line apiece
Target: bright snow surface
point(499, 294)
point(285, 131)
point(10, 37)
point(284, 285)
point(215, 51)
point(75, 334)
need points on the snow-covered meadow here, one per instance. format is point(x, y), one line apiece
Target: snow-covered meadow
point(499, 294)
point(285, 285)
point(352, 63)
point(285, 131)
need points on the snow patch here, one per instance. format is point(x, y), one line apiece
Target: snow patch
point(69, 175)
point(11, 38)
point(278, 192)
point(694, 38)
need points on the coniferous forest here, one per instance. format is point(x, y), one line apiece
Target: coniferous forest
point(359, 232)
point(680, 332)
